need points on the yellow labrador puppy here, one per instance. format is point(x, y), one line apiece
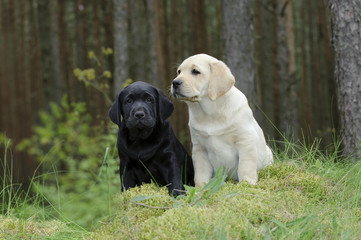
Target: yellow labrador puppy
point(223, 129)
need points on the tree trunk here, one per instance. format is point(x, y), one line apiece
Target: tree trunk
point(285, 62)
point(238, 46)
point(57, 85)
point(199, 27)
point(162, 46)
point(120, 44)
point(346, 30)
point(43, 25)
point(151, 68)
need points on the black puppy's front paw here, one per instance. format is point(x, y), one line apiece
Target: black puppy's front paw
point(175, 192)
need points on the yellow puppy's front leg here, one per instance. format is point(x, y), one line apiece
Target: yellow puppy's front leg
point(203, 169)
point(247, 166)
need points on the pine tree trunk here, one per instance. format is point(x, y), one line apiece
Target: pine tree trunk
point(57, 85)
point(120, 44)
point(285, 62)
point(238, 46)
point(346, 29)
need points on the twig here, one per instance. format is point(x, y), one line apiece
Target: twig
point(153, 207)
point(250, 194)
point(97, 87)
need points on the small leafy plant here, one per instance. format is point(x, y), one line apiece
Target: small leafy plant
point(97, 76)
point(78, 162)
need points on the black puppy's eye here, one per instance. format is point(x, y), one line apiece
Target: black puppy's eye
point(149, 100)
point(129, 100)
point(195, 72)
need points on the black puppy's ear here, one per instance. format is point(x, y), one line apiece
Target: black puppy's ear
point(115, 111)
point(165, 106)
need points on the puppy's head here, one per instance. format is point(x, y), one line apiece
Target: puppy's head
point(141, 106)
point(201, 76)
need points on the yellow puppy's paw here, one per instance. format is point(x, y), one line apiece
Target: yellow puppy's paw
point(251, 180)
point(200, 185)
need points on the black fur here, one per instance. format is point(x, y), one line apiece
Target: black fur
point(147, 147)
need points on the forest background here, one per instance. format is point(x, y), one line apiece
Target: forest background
point(279, 51)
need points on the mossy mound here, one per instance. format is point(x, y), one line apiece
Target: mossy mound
point(284, 197)
point(14, 228)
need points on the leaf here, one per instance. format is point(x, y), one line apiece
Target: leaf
point(64, 102)
point(279, 224)
point(127, 82)
point(107, 74)
point(91, 54)
point(78, 73)
point(334, 224)
point(107, 51)
point(191, 192)
point(89, 73)
point(215, 183)
point(55, 110)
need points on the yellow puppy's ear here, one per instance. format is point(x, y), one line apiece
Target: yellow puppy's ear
point(221, 80)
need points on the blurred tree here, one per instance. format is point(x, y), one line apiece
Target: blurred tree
point(43, 24)
point(238, 46)
point(285, 65)
point(285, 89)
point(346, 27)
point(120, 44)
point(56, 86)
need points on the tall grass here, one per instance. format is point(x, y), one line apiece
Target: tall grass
point(337, 212)
point(27, 214)
point(307, 194)
point(44, 210)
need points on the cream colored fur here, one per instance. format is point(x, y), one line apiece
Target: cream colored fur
point(223, 129)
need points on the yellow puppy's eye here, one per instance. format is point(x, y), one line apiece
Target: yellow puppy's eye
point(195, 72)
point(179, 71)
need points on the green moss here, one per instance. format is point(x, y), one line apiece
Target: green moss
point(13, 228)
point(288, 202)
point(287, 177)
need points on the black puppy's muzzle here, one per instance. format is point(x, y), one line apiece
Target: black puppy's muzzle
point(139, 114)
point(140, 118)
point(140, 123)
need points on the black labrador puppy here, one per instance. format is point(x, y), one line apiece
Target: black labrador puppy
point(147, 147)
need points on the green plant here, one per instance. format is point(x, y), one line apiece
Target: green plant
point(96, 76)
point(306, 194)
point(77, 162)
point(23, 214)
point(66, 141)
point(8, 195)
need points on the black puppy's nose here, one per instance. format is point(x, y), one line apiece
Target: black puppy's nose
point(139, 114)
point(176, 83)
